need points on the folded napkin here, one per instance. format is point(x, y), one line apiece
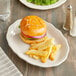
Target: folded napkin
point(7, 68)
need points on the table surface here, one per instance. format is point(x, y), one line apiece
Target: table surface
point(56, 17)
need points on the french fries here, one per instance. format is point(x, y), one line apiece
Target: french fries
point(49, 49)
point(37, 53)
point(55, 49)
point(43, 45)
point(36, 57)
point(43, 50)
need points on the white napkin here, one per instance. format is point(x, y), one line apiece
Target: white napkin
point(7, 68)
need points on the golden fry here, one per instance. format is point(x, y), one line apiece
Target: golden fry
point(49, 49)
point(43, 60)
point(54, 51)
point(35, 57)
point(37, 53)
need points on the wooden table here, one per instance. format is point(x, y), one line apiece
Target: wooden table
point(56, 17)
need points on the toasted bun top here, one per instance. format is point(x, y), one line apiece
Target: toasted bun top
point(33, 26)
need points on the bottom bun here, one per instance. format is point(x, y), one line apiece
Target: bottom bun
point(28, 41)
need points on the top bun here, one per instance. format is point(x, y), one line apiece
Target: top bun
point(33, 26)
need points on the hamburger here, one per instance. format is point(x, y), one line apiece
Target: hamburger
point(33, 29)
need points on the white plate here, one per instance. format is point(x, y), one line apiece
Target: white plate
point(19, 47)
point(39, 7)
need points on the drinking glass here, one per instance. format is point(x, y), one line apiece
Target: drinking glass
point(4, 9)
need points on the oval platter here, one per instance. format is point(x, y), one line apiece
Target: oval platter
point(19, 47)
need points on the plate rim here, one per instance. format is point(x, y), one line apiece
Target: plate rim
point(38, 7)
point(18, 54)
